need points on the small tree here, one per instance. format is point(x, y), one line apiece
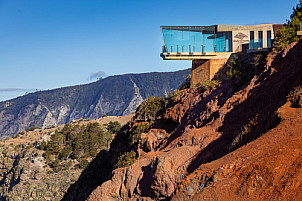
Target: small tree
point(114, 126)
point(32, 129)
point(126, 159)
point(83, 163)
point(288, 33)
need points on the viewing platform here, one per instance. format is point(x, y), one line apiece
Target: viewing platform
point(210, 47)
point(194, 55)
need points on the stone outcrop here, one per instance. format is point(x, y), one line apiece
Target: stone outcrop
point(183, 155)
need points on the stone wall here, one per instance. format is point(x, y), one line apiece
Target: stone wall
point(206, 69)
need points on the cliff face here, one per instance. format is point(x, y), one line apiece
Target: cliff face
point(116, 95)
point(189, 152)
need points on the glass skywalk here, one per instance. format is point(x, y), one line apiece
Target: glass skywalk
point(201, 39)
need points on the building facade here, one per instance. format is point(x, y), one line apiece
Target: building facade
point(210, 47)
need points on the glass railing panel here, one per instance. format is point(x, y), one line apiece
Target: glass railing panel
point(255, 44)
point(269, 43)
point(185, 41)
point(170, 38)
point(251, 44)
point(220, 43)
point(209, 42)
point(178, 41)
point(196, 41)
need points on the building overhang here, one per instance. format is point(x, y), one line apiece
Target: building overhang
point(195, 55)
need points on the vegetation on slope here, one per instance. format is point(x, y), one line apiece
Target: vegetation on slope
point(123, 149)
point(243, 67)
point(288, 33)
point(149, 109)
point(295, 97)
point(42, 164)
point(77, 142)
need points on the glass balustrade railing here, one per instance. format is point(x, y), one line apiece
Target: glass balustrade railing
point(195, 39)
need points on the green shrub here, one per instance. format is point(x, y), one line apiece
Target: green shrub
point(67, 165)
point(245, 66)
point(207, 84)
point(172, 96)
point(21, 133)
point(43, 145)
point(137, 130)
point(105, 115)
point(245, 131)
point(126, 159)
point(295, 97)
point(56, 163)
point(233, 71)
point(76, 142)
point(186, 84)
point(114, 126)
point(149, 109)
point(83, 163)
point(64, 154)
point(16, 136)
point(32, 129)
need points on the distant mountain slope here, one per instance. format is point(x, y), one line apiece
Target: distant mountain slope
point(114, 95)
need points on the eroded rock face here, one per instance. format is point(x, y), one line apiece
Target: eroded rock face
point(265, 169)
point(199, 129)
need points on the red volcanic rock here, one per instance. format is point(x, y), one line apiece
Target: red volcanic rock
point(268, 168)
point(187, 154)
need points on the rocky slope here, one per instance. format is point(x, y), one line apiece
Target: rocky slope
point(26, 175)
point(191, 151)
point(268, 168)
point(115, 95)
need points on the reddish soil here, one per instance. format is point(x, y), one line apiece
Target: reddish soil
point(189, 152)
point(269, 168)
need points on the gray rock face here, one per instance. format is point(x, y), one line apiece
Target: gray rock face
point(115, 95)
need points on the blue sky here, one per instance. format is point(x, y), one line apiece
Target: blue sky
point(46, 44)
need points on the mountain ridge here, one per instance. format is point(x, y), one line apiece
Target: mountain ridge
point(114, 95)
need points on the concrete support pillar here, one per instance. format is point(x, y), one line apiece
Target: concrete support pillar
point(203, 70)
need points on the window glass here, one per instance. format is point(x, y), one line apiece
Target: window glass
point(260, 38)
point(269, 39)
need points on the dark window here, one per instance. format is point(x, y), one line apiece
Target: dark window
point(252, 40)
point(252, 36)
point(269, 39)
point(260, 38)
